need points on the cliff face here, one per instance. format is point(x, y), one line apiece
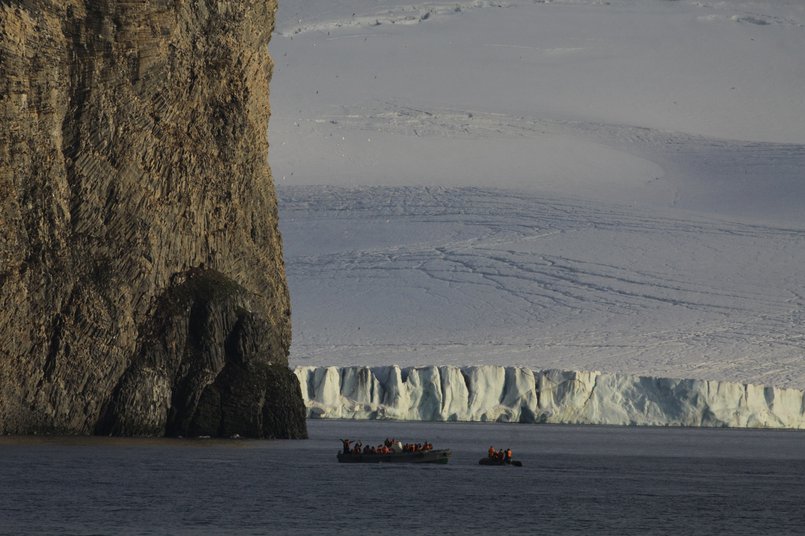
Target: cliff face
point(142, 287)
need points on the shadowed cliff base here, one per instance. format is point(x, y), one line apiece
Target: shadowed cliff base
point(134, 152)
point(204, 368)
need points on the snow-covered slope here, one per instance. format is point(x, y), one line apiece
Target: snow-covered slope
point(570, 185)
point(512, 394)
point(688, 104)
point(724, 69)
point(468, 276)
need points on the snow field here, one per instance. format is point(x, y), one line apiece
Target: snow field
point(568, 185)
point(468, 276)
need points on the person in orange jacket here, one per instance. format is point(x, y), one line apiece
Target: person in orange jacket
point(491, 452)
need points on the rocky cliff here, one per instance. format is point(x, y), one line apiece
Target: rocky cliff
point(142, 287)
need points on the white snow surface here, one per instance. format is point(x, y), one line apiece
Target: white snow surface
point(468, 276)
point(514, 394)
point(569, 185)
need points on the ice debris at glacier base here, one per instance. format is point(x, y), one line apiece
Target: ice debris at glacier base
point(516, 394)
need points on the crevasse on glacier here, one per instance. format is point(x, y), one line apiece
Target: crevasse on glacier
point(515, 394)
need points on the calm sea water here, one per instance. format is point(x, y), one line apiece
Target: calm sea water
point(575, 480)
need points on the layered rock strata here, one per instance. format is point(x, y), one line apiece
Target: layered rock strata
point(142, 287)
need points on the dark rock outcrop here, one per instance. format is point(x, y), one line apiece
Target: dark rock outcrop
point(206, 359)
point(142, 287)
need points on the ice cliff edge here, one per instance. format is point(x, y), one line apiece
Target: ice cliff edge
point(142, 286)
point(514, 394)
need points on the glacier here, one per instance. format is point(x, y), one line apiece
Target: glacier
point(492, 393)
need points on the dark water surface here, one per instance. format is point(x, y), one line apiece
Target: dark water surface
point(575, 480)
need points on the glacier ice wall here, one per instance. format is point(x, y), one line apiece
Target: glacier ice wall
point(515, 394)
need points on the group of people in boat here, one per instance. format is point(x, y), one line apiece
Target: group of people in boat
point(504, 456)
point(389, 446)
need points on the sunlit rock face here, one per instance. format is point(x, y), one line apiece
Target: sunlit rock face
point(514, 394)
point(133, 174)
